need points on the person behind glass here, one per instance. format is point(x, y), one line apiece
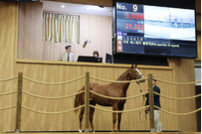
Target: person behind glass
point(95, 54)
point(68, 55)
point(158, 127)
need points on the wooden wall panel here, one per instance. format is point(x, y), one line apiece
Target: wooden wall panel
point(198, 47)
point(198, 27)
point(31, 22)
point(183, 72)
point(198, 22)
point(198, 6)
point(8, 42)
point(51, 74)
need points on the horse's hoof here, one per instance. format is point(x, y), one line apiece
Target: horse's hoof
point(80, 131)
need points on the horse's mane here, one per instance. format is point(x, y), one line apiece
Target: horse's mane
point(123, 75)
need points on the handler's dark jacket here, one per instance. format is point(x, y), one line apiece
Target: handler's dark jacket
point(156, 97)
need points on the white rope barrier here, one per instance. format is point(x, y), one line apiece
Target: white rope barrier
point(178, 98)
point(53, 83)
point(60, 112)
point(4, 108)
point(8, 79)
point(179, 114)
point(6, 93)
point(180, 83)
point(58, 97)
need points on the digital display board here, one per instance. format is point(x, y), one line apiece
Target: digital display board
point(155, 30)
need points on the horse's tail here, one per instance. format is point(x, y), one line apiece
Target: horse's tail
point(78, 101)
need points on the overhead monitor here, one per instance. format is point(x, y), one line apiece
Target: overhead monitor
point(155, 30)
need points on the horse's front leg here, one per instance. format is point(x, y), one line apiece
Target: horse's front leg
point(115, 108)
point(120, 107)
point(81, 119)
point(92, 110)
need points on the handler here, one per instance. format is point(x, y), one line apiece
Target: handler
point(158, 127)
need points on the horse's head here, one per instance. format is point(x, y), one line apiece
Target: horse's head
point(135, 73)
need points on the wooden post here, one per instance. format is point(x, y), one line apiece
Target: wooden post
point(19, 102)
point(87, 83)
point(151, 101)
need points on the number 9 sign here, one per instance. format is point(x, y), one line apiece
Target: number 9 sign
point(135, 8)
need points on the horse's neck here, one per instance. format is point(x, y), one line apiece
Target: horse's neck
point(124, 86)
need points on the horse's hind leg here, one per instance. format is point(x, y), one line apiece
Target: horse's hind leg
point(92, 110)
point(120, 106)
point(81, 119)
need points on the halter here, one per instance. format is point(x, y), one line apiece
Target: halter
point(131, 72)
point(139, 76)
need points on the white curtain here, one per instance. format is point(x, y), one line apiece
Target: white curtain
point(60, 28)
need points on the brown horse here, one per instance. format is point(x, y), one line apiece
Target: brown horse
point(111, 89)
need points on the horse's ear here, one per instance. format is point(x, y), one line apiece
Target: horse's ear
point(132, 66)
point(135, 65)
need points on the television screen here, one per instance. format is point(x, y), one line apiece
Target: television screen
point(155, 30)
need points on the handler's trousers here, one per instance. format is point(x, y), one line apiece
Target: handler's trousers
point(158, 127)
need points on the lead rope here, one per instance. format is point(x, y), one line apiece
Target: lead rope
point(142, 103)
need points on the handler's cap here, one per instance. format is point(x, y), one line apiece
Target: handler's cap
point(67, 46)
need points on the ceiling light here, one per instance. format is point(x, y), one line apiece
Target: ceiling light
point(63, 6)
point(94, 8)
